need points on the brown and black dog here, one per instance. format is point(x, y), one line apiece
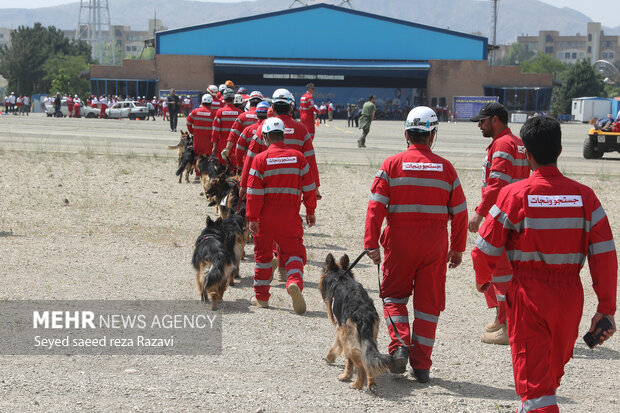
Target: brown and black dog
point(223, 192)
point(351, 309)
point(214, 261)
point(181, 145)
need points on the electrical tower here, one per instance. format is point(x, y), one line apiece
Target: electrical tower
point(494, 31)
point(94, 26)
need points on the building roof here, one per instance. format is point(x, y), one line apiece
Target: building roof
point(344, 34)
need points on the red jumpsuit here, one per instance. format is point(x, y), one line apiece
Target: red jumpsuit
point(505, 163)
point(76, 109)
point(244, 140)
point(200, 124)
point(278, 178)
point(548, 224)
point(295, 136)
point(244, 120)
point(307, 111)
point(70, 106)
point(418, 192)
point(223, 121)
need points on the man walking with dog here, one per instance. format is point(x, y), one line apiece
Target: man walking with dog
point(279, 178)
point(200, 124)
point(244, 120)
point(417, 192)
point(548, 224)
point(505, 163)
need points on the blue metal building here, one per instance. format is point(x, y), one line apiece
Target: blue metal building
point(353, 53)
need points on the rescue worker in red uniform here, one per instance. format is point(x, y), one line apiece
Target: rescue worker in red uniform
point(278, 178)
point(244, 120)
point(200, 124)
point(307, 110)
point(505, 163)
point(548, 224)
point(250, 132)
point(77, 103)
point(70, 105)
point(417, 192)
point(223, 121)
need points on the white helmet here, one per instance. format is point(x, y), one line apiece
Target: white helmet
point(422, 118)
point(284, 96)
point(238, 99)
point(212, 89)
point(222, 88)
point(272, 124)
point(207, 98)
point(76, 96)
point(256, 95)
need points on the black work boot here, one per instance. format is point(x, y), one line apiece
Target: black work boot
point(399, 359)
point(421, 375)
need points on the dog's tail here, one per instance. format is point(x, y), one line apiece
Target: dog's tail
point(375, 362)
point(185, 159)
point(216, 273)
point(174, 147)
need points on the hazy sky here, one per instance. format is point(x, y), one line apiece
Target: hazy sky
point(604, 11)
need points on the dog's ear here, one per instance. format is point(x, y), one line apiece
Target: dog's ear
point(209, 220)
point(344, 262)
point(330, 263)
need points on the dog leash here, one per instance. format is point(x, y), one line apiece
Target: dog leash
point(357, 260)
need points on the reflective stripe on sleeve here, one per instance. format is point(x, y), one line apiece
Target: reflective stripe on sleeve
point(256, 191)
point(308, 187)
point(597, 215)
point(426, 209)
point(500, 297)
point(294, 271)
point(507, 156)
point(256, 174)
point(305, 170)
point(502, 218)
point(202, 127)
point(259, 283)
point(457, 209)
point(262, 265)
point(500, 175)
point(456, 184)
point(425, 316)
point(551, 259)
point(383, 175)
point(602, 247)
point(309, 153)
point(379, 198)
point(487, 248)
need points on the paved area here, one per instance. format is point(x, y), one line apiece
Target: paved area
point(335, 143)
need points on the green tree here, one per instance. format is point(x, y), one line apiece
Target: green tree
point(580, 80)
point(22, 63)
point(63, 74)
point(517, 54)
point(543, 63)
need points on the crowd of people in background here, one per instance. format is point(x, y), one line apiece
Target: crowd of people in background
point(17, 105)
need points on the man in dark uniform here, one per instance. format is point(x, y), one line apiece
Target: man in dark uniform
point(174, 105)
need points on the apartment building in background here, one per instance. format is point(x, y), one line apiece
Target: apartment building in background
point(594, 45)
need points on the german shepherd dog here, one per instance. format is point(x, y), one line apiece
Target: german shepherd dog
point(350, 308)
point(223, 192)
point(186, 162)
point(209, 168)
point(214, 261)
point(181, 145)
point(235, 226)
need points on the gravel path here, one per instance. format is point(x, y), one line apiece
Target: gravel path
point(87, 226)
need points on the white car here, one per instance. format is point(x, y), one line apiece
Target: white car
point(85, 111)
point(127, 109)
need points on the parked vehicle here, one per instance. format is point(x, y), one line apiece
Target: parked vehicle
point(127, 109)
point(598, 142)
point(85, 111)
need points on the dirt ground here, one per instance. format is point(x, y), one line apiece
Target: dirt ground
point(87, 225)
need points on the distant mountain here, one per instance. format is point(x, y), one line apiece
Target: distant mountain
point(515, 17)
